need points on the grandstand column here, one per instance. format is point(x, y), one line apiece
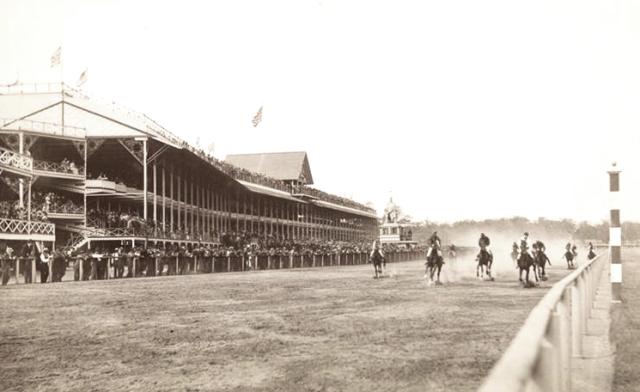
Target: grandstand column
point(270, 214)
point(29, 202)
point(171, 199)
point(179, 199)
point(164, 202)
point(84, 186)
point(21, 180)
point(144, 177)
point(615, 234)
point(193, 206)
point(155, 193)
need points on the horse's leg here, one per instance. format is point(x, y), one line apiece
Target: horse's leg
point(439, 269)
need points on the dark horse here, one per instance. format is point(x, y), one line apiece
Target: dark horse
point(434, 263)
point(569, 256)
point(485, 260)
point(540, 260)
point(525, 261)
point(378, 262)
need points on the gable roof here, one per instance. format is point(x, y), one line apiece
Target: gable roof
point(286, 166)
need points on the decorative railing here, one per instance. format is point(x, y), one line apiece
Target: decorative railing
point(16, 160)
point(66, 209)
point(97, 229)
point(57, 168)
point(42, 127)
point(539, 357)
point(15, 226)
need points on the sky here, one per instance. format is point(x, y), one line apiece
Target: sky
point(459, 109)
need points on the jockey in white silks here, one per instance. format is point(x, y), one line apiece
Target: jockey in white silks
point(525, 244)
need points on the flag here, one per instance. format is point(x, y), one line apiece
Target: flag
point(56, 56)
point(257, 118)
point(83, 77)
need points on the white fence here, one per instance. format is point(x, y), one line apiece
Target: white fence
point(539, 357)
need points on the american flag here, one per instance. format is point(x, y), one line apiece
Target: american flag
point(56, 56)
point(257, 118)
point(83, 77)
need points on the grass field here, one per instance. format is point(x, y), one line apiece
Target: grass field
point(331, 329)
point(625, 325)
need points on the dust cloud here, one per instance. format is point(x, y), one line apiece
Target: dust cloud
point(463, 266)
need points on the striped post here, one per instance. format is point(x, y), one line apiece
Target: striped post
point(615, 233)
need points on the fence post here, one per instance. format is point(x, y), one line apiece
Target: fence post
point(135, 266)
point(290, 260)
point(80, 268)
point(268, 261)
point(17, 270)
point(563, 309)
point(322, 260)
point(242, 260)
point(228, 263)
point(576, 319)
point(33, 270)
point(545, 375)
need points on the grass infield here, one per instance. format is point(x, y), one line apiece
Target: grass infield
point(625, 325)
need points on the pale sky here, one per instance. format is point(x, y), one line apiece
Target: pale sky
point(461, 109)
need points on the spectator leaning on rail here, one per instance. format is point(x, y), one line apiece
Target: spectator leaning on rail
point(45, 259)
point(27, 253)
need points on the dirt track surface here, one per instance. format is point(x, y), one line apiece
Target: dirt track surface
point(331, 329)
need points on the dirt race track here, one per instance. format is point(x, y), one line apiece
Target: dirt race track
point(330, 329)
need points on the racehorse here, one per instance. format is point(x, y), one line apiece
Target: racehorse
point(378, 262)
point(569, 256)
point(434, 263)
point(485, 260)
point(540, 260)
point(525, 261)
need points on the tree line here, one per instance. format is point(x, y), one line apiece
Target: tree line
point(466, 232)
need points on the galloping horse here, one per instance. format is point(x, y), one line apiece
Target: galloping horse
point(485, 260)
point(569, 256)
point(434, 263)
point(540, 260)
point(525, 261)
point(378, 261)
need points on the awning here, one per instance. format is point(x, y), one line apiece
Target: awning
point(326, 204)
point(265, 190)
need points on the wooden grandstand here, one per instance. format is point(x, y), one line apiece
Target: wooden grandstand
point(121, 176)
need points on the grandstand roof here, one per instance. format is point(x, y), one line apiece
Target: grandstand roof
point(286, 166)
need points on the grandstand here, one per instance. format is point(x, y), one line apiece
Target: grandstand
point(77, 170)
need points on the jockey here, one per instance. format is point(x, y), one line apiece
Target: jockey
point(525, 244)
point(376, 247)
point(434, 242)
point(483, 243)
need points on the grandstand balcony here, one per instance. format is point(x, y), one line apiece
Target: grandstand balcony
point(16, 163)
point(57, 170)
point(15, 229)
